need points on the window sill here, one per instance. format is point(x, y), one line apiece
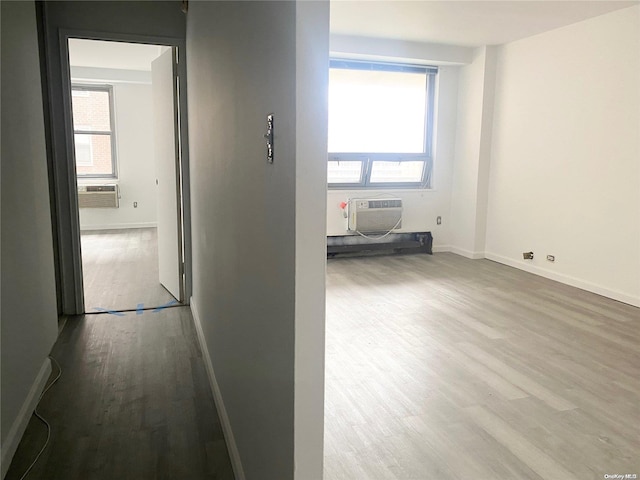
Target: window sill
point(83, 180)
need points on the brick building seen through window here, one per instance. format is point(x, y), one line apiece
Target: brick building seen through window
point(93, 126)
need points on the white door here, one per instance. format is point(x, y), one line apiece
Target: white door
point(163, 78)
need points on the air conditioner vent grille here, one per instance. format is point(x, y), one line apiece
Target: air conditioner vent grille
point(374, 215)
point(98, 196)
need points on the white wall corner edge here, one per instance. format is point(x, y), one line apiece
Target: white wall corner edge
point(566, 279)
point(467, 253)
point(24, 415)
point(234, 453)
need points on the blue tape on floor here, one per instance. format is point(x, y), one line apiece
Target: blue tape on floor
point(162, 307)
point(139, 309)
point(110, 312)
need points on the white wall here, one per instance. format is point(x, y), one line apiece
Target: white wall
point(421, 206)
point(351, 46)
point(253, 310)
point(472, 154)
point(29, 319)
point(565, 169)
point(136, 164)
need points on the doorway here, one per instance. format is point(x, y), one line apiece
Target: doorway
point(126, 154)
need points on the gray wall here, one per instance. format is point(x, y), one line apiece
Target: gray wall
point(312, 84)
point(242, 61)
point(29, 320)
point(122, 20)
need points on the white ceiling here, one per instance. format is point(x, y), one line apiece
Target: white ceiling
point(462, 23)
point(116, 55)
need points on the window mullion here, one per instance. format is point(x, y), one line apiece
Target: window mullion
point(92, 132)
point(367, 171)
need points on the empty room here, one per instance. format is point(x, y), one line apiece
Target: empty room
point(511, 352)
point(118, 119)
point(405, 240)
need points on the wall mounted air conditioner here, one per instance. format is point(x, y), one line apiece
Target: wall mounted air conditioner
point(374, 215)
point(98, 196)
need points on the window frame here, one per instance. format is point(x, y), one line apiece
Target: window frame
point(112, 132)
point(368, 158)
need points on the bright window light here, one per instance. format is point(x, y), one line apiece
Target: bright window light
point(397, 172)
point(344, 172)
point(376, 111)
point(380, 124)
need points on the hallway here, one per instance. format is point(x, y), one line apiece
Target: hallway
point(133, 402)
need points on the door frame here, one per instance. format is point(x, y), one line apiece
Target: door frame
point(63, 182)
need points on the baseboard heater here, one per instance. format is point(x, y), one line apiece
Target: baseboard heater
point(417, 242)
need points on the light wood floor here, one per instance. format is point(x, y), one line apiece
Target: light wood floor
point(440, 367)
point(120, 270)
point(133, 403)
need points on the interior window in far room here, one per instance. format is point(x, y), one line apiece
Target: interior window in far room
point(93, 128)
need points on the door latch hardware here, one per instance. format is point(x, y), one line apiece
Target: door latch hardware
point(269, 138)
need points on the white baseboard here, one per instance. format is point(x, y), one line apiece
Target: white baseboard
point(234, 454)
point(467, 253)
point(566, 279)
point(19, 425)
point(118, 226)
point(440, 248)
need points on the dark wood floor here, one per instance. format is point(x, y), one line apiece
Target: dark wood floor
point(440, 367)
point(133, 403)
point(120, 269)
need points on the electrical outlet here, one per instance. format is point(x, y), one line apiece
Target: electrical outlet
point(527, 255)
point(135, 204)
point(551, 258)
point(438, 220)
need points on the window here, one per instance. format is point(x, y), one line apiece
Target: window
point(93, 130)
point(380, 125)
point(84, 153)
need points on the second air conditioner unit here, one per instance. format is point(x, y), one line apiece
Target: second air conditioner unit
point(374, 215)
point(98, 196)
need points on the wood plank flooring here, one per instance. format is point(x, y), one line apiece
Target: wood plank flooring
point(133, 402)
point(440, 367)
point(120, 269)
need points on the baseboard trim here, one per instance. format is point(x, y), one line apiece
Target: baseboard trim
point(467, 253)
point(566, 279)
point(24, 415)
point(118, 226)
point(440, 248)
point(234, 453)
